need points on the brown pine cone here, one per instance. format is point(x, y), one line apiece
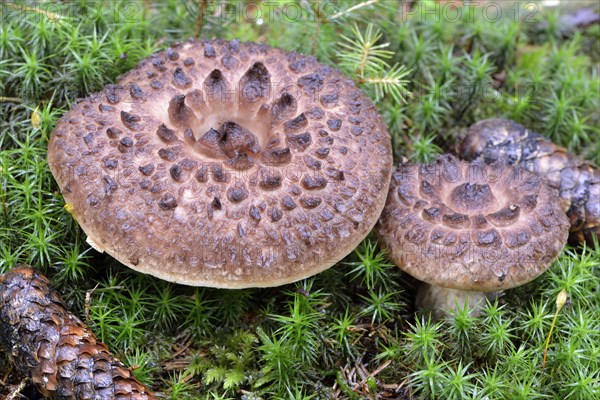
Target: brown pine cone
point(577, 180)
point(54, 348)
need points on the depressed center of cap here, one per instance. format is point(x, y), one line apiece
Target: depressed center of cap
point(472, 196)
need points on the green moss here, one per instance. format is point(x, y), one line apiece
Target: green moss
point(321, 337)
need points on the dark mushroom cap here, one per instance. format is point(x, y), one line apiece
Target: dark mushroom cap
point(577, 180)
point(225, 164)
point(471, 226)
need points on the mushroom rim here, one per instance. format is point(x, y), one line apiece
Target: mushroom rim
point(241, 284)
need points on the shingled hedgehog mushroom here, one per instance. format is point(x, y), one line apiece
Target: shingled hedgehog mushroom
point(577, 181)
point(468, 228)
point(225, 164)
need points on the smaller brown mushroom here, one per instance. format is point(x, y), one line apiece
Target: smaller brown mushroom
point(469, 229)
point(577, 180)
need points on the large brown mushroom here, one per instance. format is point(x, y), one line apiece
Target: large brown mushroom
point(468, 228)
point(577, 180)
point(225, 164)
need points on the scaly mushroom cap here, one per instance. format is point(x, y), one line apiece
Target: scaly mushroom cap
point(225, 164)
point(577, 180)
point(471, 226)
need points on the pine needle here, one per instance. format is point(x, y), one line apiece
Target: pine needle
point(362, 52)
point(368, 59)
point(392, 82)
point(10, 100)
point(53, 17)
point(353, 8)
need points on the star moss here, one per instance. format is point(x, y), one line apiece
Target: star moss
point(351, 331)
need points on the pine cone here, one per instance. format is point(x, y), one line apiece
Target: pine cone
point(54, 348)
point(577, 180)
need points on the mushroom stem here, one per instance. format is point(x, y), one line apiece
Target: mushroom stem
point(441, 301)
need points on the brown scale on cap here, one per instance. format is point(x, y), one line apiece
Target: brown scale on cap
point(471, 226)
point(54, 348)
point(225, 164)
point(577, 181)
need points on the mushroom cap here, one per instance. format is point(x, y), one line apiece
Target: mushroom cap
point(577, 180)
point(225, 164)
point(471, 226)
